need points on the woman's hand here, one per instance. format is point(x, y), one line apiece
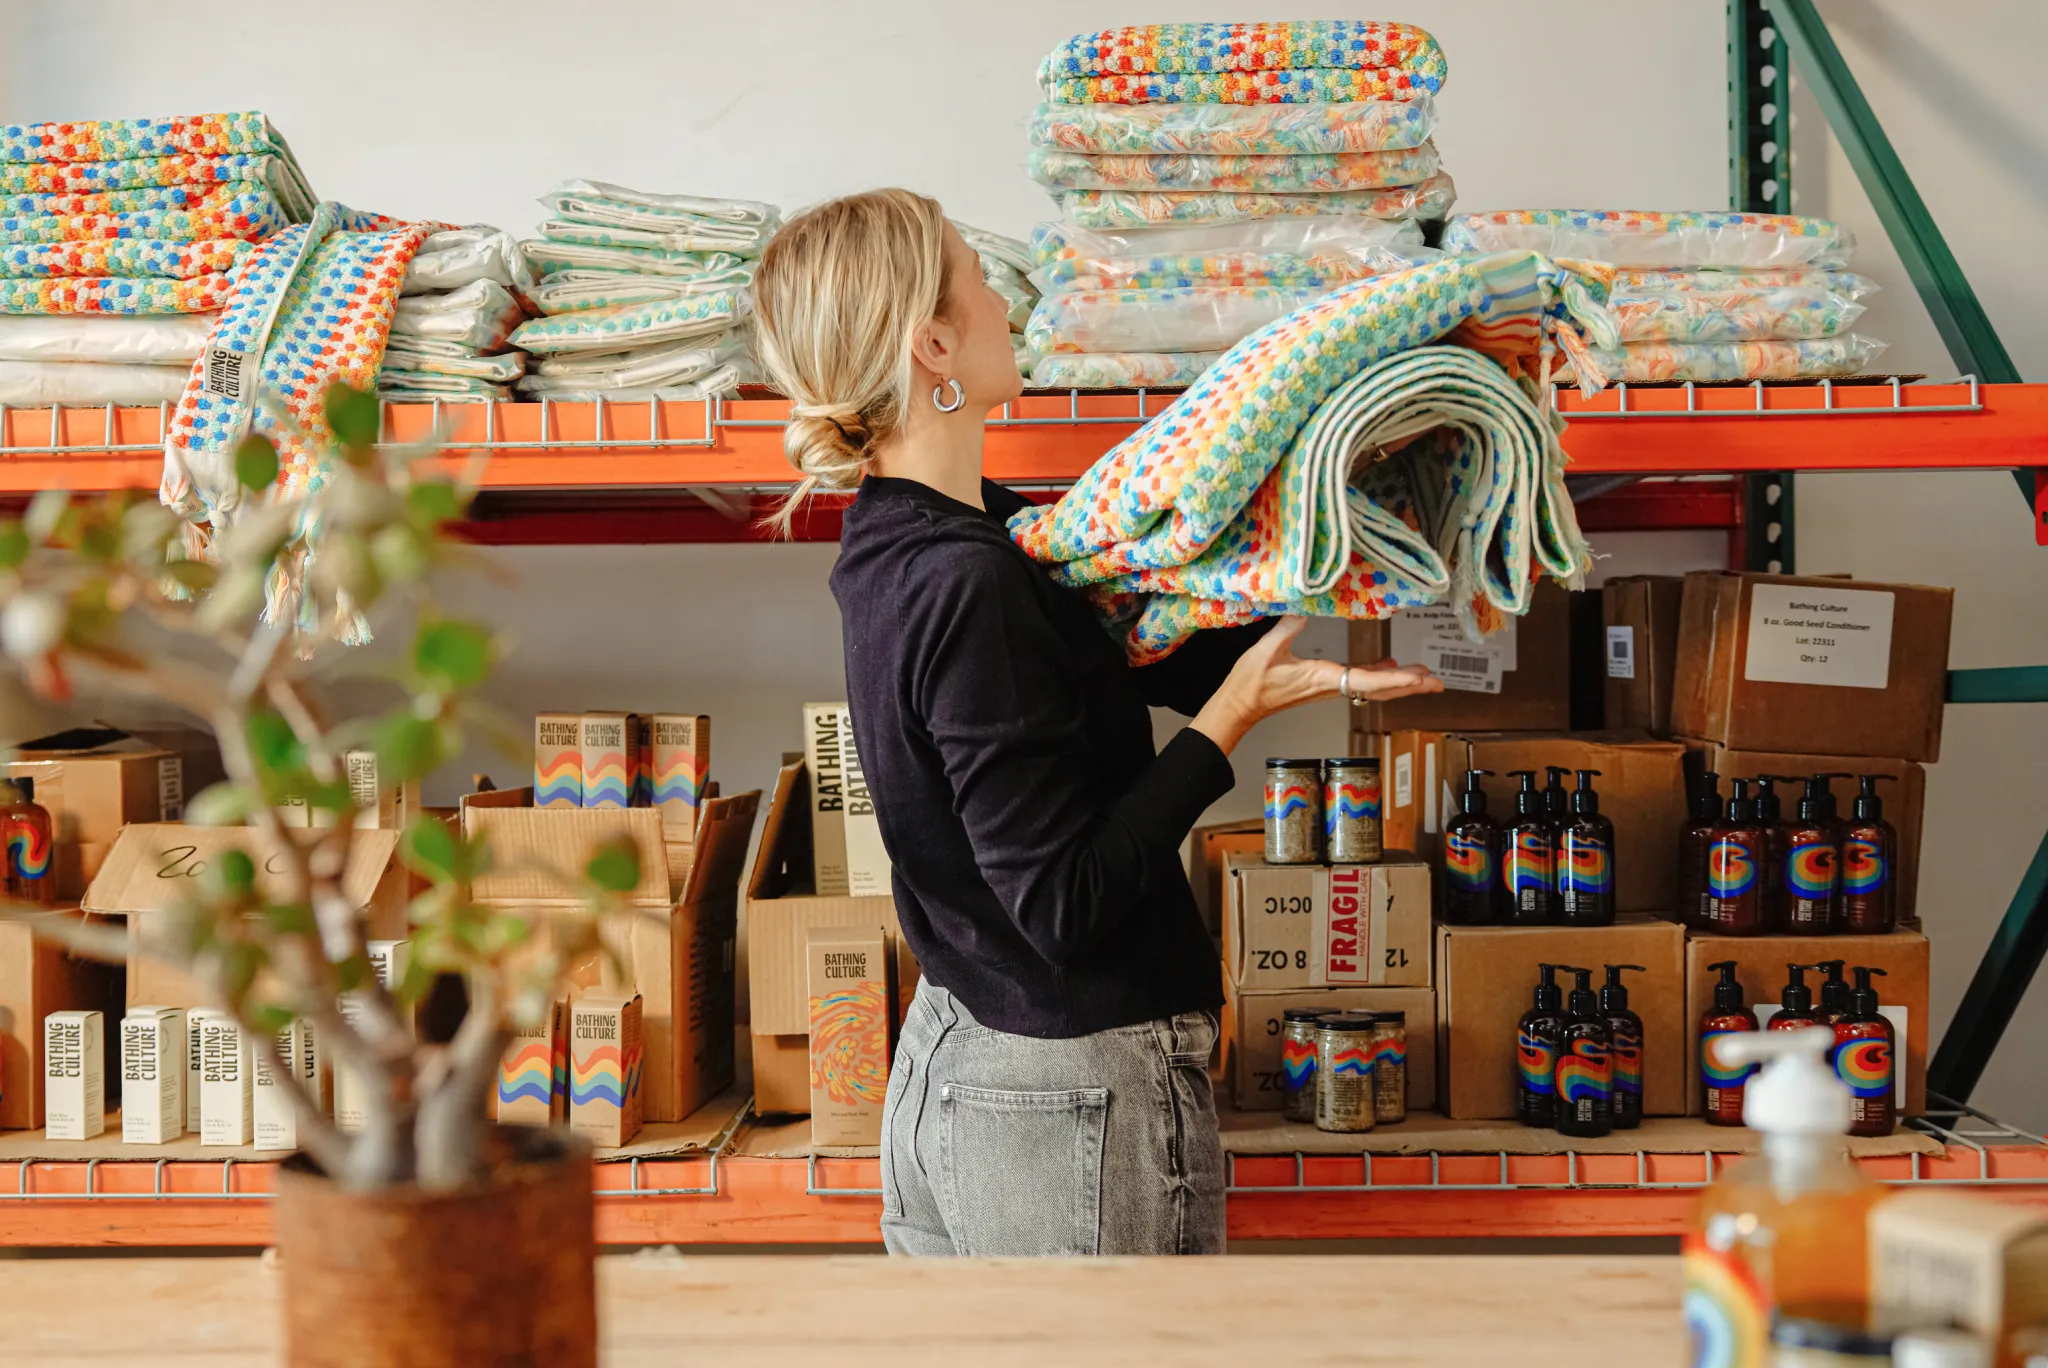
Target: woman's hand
point(1270, 678)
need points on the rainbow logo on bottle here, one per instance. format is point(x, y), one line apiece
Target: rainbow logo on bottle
point(529, 1074)
point(1866, 1066)
point(1727, 1311)
point(1536, 1061)
point(1717, 1073)
point(1863, 867)
point(1730, 870)
point(1350, 801)
point(1586, 869)
point(1527, 866)
point(1627, 1055)
point(1284, 800)
point(1297, 1063)
point(1810, 870)
point(1468, 864)
point(1585, 1073)
point(1352, 1061)
point(28, 851)
point(600, 1077)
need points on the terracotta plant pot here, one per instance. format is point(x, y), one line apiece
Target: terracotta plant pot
point(498, 1274)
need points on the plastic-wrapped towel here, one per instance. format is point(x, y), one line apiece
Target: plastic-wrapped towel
point(1016, 292)
point(116, 295)
point(461, 256)
point(1021, 353)
point(551, 255)
point(1846, 283)
point(1311, 61)
point(42, 384)
point(564, 292)
point(115, 339)
point(251, 213)
point(1651, 238)
point(1226, 506)
point(1705, 363)
point(407, 354)
point(482, 314)
point(1235, 130)
point(632, 325)
point(1325, 252)
point(675, 363)
point(415, 387)
point(1121, 370)
point(1139, 208)
point(1697, 311)
point(124, 257)
point(1205, 318)
point(688, 221)
point(1009, 251)
point(1319, 173)
point(721, 380)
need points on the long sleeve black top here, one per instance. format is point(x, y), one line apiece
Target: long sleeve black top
point(1008, 747)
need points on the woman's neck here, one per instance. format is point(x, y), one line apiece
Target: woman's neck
point(942, 450)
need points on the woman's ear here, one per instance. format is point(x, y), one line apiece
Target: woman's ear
point(936, 347)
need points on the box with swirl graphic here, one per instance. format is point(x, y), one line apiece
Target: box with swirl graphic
point(604, 1068)
point(850, 995)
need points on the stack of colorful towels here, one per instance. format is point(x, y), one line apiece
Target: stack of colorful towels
point(120, 242)
point(1215, 177)
point(1703, 295)
point(641, 296)
point(1006, 267)
point(454, 320)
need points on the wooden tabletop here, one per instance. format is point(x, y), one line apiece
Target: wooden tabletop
point(850, 1311)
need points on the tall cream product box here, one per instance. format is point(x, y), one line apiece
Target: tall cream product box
point(74, 1076)
point(274, 1116)
point(867, 860)
point(825, 732)
point(152, 1075)
point(224, 1080)
point(388, 961)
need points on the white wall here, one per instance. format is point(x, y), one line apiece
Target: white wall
point(466, 112)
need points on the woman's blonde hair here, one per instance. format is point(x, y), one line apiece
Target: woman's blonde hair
point(839, 293)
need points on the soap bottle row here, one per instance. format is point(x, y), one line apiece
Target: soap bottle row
point(1746, 869)
point(1864, 1055)
point(1579, 1063)
point(1553, 864)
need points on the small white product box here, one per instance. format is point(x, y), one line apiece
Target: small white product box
point(224, 1080)
point(153, 1061)
point(274, 1122)
point(192, 1016)
point(388, 960)
point(74, 1076)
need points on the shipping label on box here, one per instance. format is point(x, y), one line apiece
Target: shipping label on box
point(604, 1069)
point(74, 1076)
point(1434, 636)
point(531, 1089)
point(681, 767)
point(850, 1006)
point(824, 757)
point(1252, 1020)
point(225, 1080)
point(152, 1075)
point(1305, 926)
point(558, 760)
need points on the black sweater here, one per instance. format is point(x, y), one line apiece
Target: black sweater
point(1008, 747)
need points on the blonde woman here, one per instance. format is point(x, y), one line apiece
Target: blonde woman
point(1050, 1091)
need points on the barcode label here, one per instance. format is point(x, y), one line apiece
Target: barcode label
point(170, 788)
point(227, 373)
point(1404, 779)
point(1621, 653)
point(1465, 669)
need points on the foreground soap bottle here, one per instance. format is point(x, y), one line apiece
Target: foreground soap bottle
point(1471, 855)
point(1787, 1227)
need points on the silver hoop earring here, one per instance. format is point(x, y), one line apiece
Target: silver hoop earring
point(959, 397)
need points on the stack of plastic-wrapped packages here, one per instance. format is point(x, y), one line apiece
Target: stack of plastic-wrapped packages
point(451, 331)
point(641, 296)
point(1006, 266)
point(1216, 177)
point(1703, 295)
point(121, 240)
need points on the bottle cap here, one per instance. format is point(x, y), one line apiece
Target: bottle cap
point(1556, 799)
point(1869, 806)
point(1706, 798)
point(1797, 997)
point(1863, 1001)
point(1584, 800)
point(1828, 812)
point(24, 786)
point(1834, 990)
point(1815, 802)
point(1614, 996)
point(1282, 762)
point(1797, 1093)
point(14, 791)
point(1528, 803)
point(1393, 1018)
point(1770, 804)
point(1741, 808)
point(1549, 998)
point(1472, 798)
point(1348, 1021)
point(1304, 1013)
point(1353, 762)
point(1831, 1330)
point(1583, 1001)
point(1933, 1348)
point(1728, 992)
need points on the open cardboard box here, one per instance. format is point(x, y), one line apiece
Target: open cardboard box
point(38, 977)
point(96, 780)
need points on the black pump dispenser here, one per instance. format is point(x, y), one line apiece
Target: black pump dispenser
point(1768, 807)
point(1834, 991)
point(1472, 798)
point(1706, 798)
point(1818, 802)
point(1549, 997)
point(1614, 994)
point(1797, 997)
point(1728, 992)
point(1742, 807)
point(1556, 798)
point(1863, 1000)
point(1528, 802)
point(1584, 799)
point(1869, 805)
point(1586, 860)
point(1583, 1001)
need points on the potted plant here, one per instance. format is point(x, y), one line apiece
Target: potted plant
point(428, 1234)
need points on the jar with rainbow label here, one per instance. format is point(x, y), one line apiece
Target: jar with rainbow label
point(1298, 1063)
point(1390, 1068)
point(1294, 812)
point(1345, 1099)
point(1351, 811)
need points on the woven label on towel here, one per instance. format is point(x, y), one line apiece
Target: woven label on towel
point(227, 374)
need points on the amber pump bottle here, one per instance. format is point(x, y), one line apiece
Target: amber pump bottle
point(1770, 815)
point(1528, 860)
point(1695, 839)
point(1813, 863)
point(28, 855)
point(1585, 860)
point(1834, 992)
point(1557, 808)
point(1625, 1036)
point(1585, 1065)
point(1795, 1004)
point(1864, 1048)
point(1870, 858)
point(1472, 859)
point(1723, 1082)
point(1735, 893)
point(1538, 1037)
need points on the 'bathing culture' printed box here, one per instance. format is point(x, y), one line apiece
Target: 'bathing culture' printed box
point(74, 1076)
point(604, 1069)
point(533, 1075)
point(225, 1080)
point(152, 1075)
point(558, 760)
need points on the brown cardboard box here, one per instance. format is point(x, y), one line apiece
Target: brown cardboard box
point(1324, 926)
point(782, 1074)
point(94, 781)
point(1486, 979)
point(1411, 816)
point(1904, 798)
point(1208, 848)
point(38, 977)
point(1251, 1036)
point(1951, 1257)
point(1761, 962)
point(1534, 694)
point(1641, 787)
point(1841, 667)
point(1641, 649)
point(847, 974)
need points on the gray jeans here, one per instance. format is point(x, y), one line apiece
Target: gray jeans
point(1004, 1144)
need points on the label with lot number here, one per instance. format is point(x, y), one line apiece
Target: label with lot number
point(1818, 634)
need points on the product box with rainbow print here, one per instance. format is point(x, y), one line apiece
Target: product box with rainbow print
point(1311, 926)
point(533, 1075)
point(848, 976)
point(679, 767)
point(605, 740)
point(558, 760)
point(604, 1069)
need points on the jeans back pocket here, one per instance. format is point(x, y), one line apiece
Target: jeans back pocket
point(1022, 1171)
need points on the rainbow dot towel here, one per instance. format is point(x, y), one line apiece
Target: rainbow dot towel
point(1317, 61)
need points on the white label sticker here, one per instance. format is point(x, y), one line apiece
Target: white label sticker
point(1818, 634)
point(1412, 631)
point(1897, 1016)
point(170, 788)
point(1465, 667)
point(1404, 779)
point(1621, 653)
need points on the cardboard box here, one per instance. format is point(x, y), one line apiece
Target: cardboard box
point(558, 760)
point(152, 1075)
point(274, 1120)
point(852, 1008)
point(1943, 1256)
point(1761, 961)
point(604, 1069)
point(607, 757)
point(782, 1074)
point(824, 760)
point(1527, 663)
point(1486, 980)
point(1904, 798)
point(1411, 791)
point(867, 859)
point(225, 1080)
point(1641, 787)
point(679, 767)
point(1251, 1036)
point(1841, 667)
point(1208, 848)
point(74, 1075)
point(1313, 926)
point(531, 1090)
point(1640, 614)
point(38, 977)
point(95, 781)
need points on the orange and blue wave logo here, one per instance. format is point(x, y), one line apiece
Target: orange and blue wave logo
point(1864, 868)
point(1730, 870)
point(1810, 870)
point(528, 1075)
point(560, 784)
point(1585, 1073)
point(1467, 863)
point(1627, 1055)
point(1586, 868)
point(599, 1077)
point(1527, 865)
point(607, 781)
point(680, 782)
point(1351, 1061)
point(1297, 1063)
point(1866, 1066)
point(1536, 1063)
point(1390, 1053)
point(1718, 1073)
point(1345, 800)
point(28, 851)
point(1286, 799)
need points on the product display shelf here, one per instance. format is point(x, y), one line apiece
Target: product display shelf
point(727, 1177)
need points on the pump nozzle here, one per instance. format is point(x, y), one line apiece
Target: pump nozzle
point(1870, 807)
point(1834, 992)
point(1548, 998)
point(1528, 802)
point(1797, 997)
point(1555, 801)
point(1706, 797)
point(1769, 808)
point(1614, 994)
point(1797, 1093)
point(1820, 791)
point(1582, 1003)
point(1472, 798)
point(1741, 808)
point(1863, 1002)
point(1728, 992)
point(1584, 799)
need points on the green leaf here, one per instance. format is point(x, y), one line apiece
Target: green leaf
point(235, 872)
point(198, 576)
point(432, 503)
point(352, 973)
point(289, 919)
point(451, 654)
point(408, 747)
point(615, 866)
point(14, 544)
point(418, 980)
point(400, 553)
point(429, 847)
point(220, 805)
point(352, 416)
point(256, 462)
point(273, 744)
point(268, 1018)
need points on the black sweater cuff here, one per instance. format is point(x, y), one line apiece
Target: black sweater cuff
point(1188, 775)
